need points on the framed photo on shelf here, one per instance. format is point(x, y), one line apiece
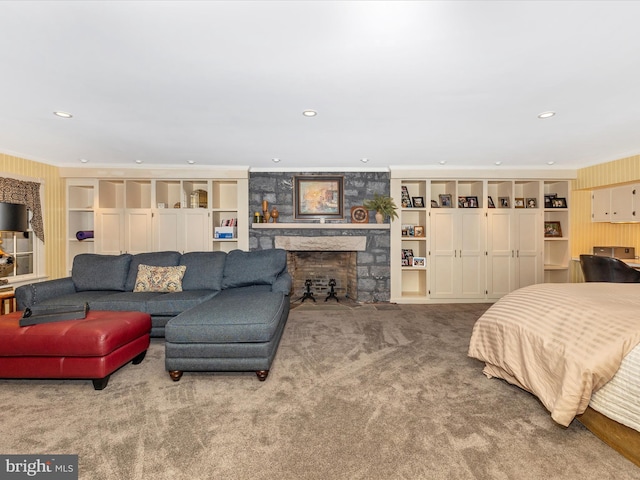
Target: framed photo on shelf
point(406, 199)
point(445, 200)
point(518, 202)
point(558, 202)
point(434, 204)
point(418, 231)
point(490, 202)
point(410, 230)
point(418, 262)
point(548, 200)
point(503, 202)
point(317, 196)
point(532, 203)
point(472, 202)
point(552, 229)
point(418, 202)
point(407, 257)
point(462, 202)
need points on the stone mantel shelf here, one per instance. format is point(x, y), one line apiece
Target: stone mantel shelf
point(318, 226)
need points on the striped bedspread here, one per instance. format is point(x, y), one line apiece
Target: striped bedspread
point(561, 342)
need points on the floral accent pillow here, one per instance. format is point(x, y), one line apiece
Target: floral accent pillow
point(159, 279)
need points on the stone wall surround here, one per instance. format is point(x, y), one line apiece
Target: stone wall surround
point(373, 263)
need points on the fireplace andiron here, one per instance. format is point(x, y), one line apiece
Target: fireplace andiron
point(308, 293)
point(332, 293)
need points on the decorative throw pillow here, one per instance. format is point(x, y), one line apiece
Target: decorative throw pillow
point(159, 279)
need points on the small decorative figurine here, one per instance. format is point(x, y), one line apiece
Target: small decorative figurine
point(275, 214)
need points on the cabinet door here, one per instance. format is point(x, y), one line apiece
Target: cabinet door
point(528, 239)
point(471, 228)
point(138, 231)
point(623, 203)
point(167, 230)
point(500, 253)
point(514, 251)
point(195, 232)
point(601, 205)
point(443, 248)
point(109, 232)
point(457, 254)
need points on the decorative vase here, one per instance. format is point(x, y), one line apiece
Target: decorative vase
point(379, 217)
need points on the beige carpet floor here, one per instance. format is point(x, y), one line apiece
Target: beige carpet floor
point(372, 392)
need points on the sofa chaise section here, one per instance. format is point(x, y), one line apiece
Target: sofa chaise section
point(237, 331)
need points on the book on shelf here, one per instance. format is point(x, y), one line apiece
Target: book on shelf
point(229, 222)
point(227, 229)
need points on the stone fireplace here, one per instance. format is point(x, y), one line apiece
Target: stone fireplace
point(319, 260)
point(320, 268)
point(326, 243)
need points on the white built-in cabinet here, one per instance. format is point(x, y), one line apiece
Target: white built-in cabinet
point(486, 242)
point(601, 205)
point(514, 250)
point(616, 204)
point(457, 253)
point(136, 215)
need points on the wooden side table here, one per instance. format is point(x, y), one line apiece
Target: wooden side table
point(7, 302)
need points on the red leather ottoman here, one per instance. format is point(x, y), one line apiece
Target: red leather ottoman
point(92, 348)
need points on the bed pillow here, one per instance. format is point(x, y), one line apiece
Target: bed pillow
point(159, 279)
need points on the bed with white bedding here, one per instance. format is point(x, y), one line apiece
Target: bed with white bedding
point(619, 399)
point(574, 346)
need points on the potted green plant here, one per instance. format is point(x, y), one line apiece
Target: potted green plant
point(383, 205)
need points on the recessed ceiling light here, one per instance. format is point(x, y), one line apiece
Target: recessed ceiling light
point(83, 160)
point(309, 113)
point(498, 162)
point(191, 162)
point(442, 162)
point(63, 114)
point(364, 160)
point(138, 162)
point(550, 162)
point(546, 114)
point(275, 160)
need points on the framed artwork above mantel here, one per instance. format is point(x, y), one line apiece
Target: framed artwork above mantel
point(318, 196)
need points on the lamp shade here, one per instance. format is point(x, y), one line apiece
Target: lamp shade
point(13, 217)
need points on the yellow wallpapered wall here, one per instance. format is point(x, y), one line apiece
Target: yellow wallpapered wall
point(586, 234)
point(53, 207)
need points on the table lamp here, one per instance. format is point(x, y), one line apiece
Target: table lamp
point(13, 218)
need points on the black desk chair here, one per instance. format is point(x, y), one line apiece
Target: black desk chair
point(607, 269)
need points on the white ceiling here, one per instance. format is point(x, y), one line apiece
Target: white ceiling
point(400, 83)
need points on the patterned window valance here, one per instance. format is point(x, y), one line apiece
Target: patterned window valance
point(24, 193)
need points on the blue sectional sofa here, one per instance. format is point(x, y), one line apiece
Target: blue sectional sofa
point(228, 313)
